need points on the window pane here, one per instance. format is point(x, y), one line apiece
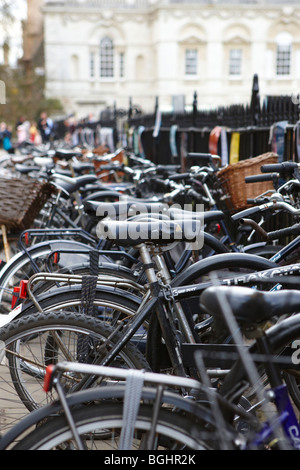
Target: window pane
point(92, 65)
point(191, 61)
point(235, 61)
point(283, 60)
point(106, 58)
point(121, 64)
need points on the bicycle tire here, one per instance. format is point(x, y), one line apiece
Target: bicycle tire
point(28, 351)
point(228, 261)
point(201, 415)
point(102, 424)
point(70, 297)
point(266, 251)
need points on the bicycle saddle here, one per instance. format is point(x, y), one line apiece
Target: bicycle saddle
point(67, 154)
point(160, 232)
point(80, 167)
point(73, 184)
point(249, 306)
point(122, 209)
point(208, 216)
point(25, 169)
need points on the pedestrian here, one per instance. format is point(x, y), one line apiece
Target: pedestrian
point(34, 134)
point(23, 127)
point(5, 136)
point(45, 126)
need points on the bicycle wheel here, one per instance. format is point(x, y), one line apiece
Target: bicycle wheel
point(20, 266)
point(35, 341)
point(100, 425)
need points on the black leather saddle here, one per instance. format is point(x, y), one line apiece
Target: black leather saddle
point(67, 154)
point(70, 185)
point(249, 306)
point(160, 232)
point(123, 209)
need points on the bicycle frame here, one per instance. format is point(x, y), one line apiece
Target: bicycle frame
point(286, 250)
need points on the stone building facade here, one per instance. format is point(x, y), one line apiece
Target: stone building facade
point(103, 52)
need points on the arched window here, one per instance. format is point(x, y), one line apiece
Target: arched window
point(106, 58)
point(283, 54)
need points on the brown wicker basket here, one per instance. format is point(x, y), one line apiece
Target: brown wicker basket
point(21, 201)
point(232, 178)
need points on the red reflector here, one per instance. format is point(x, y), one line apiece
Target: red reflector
point(15, 297)
point(218, 228)
point(48, 378)
point(19, 293)
point(56, 258)
point(26, 235)
point(23, 290)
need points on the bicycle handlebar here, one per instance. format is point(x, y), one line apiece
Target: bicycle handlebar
point(249, 212)
point(283, 168)
point(274, 205)
point(263, 177)
point(284, 232)
point(179, 176)
point(204, 158)
point(257, 201)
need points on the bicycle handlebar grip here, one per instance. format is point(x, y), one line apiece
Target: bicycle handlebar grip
point(203, 158)
point(163, 185)
point(284, 232)
point(257, 201)
point(246, 213)
point(195, 195)
point(179, 176)
point(281, 168)
point(259, 178)
point(111, 167)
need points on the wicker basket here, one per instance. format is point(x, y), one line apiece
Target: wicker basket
point(21, 201)
point(232, 178)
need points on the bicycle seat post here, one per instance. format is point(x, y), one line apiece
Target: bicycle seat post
point(163, 271)
point(164, 274)
point(147, 263)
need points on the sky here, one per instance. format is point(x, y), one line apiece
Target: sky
point(19, 8)
point(14, 32)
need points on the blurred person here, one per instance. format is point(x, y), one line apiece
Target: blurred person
point(23, 131)
point(45, 126)
point(34, 134)
point(5, 137)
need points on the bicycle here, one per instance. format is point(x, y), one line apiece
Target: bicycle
point(148, 417)
point(120, 308)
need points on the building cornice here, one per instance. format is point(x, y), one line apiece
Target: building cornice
point(106, 8)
